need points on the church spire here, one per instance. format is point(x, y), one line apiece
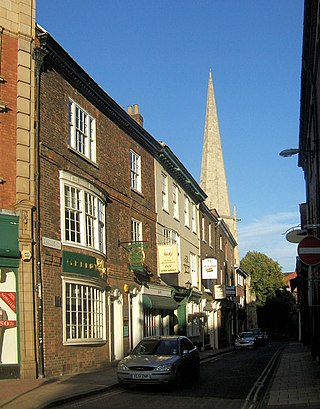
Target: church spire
point(213, 176)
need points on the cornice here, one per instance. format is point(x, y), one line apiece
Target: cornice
point(67, 67)
point(177, 170)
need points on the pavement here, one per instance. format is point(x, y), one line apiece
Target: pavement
point(295, 384)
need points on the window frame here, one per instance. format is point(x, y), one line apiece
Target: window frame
point(135, 171)
point(210, 235)
point(164, 192)
point(194, 218)
point(82, 139)
point(203, 228)
point(186, 210)
point(193, 260)
point(89, 225)
point(88, 316)
point(136, 230)
point(175, 200)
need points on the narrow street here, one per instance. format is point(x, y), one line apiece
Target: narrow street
point(235, 380)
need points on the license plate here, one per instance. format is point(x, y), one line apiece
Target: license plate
point(140, 376)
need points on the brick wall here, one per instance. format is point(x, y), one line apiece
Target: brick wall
point(111, 173)
point(8, 124)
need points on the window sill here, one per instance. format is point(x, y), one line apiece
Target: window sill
point(84, 342)
point(80, 246)
point(74, 151)
point(137, 192)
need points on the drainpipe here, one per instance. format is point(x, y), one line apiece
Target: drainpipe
point(38, 56)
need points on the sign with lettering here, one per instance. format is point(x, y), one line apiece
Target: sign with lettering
point(168, 258)
point(219, 292)
point(82, 264)
point(209, 268)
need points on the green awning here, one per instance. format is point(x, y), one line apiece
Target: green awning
point(159, 302)
point(9, 244)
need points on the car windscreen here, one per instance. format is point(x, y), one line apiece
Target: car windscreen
point(246, 335)
point(156, 347)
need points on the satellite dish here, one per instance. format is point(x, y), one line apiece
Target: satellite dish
point(295, 236)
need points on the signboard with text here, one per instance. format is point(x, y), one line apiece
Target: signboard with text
point(209, 269)
point(168, 258)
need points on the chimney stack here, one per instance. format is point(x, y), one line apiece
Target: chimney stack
point(135, 114)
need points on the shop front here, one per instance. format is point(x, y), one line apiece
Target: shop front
point(9, 263)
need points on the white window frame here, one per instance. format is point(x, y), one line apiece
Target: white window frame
point(194, 269)
point(135, 171)
point(84, 322)
point(210, 234)
point(186, 211)
point(82, 131)
point(83, 211)
point(194, 218)
point(175, 200)
point(136, 230)
point(203, 229)
point(164, 192)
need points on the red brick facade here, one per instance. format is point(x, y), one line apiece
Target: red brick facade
point(111, 174)
point(8, 123)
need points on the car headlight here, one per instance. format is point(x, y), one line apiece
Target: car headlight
point(163, 368)
point(122, 367)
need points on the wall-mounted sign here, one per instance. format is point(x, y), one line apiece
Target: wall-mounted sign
point(83, 264)
point(231, 290)
point(219, 292)
point(168, 258)
point(209, 269)
point(54, 244)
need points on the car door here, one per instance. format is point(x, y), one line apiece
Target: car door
point(189, 361)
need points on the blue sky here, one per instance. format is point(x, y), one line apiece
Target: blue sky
point(158, 53)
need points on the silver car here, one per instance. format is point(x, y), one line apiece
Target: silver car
point(245, 340)
point(160, 360)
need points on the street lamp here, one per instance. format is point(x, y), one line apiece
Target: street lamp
point(188, 285)
point(286, 153)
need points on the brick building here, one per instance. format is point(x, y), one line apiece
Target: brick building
point(97, 207)
point(17, 190)
point(82, 216)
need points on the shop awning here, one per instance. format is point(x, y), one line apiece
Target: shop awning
point(9, 244)
point(159, 302)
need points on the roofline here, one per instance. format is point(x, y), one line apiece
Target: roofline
point(178, 171)
point(77, 77)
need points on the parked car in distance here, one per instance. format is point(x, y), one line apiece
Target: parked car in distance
point(245, 340)
point(261, 336)
point(160, 360)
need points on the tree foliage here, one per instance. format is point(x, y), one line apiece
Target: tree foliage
point(266, 275)
point(278, 315)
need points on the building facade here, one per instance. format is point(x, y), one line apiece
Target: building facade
point(178, 236)
point(104, 234)
point(17, 189)
point(308, 276)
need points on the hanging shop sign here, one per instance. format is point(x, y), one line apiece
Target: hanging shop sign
point(219, 292)
point(168, 258)
point(136, 256)
point(209, 269)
